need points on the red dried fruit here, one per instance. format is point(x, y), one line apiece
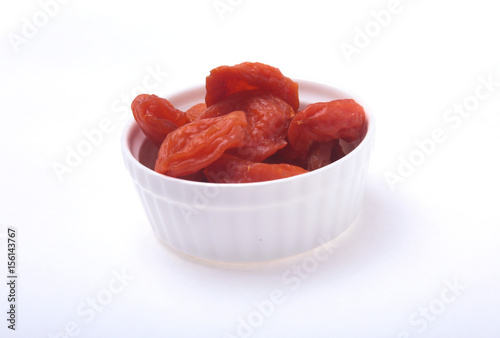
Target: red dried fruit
point(232, 169)
point(197, 144)
point(287, 155)
point(198, 176)
point(226, 80)
point(323, 122)
point(322, 154)
point(248, 129)
point(195, 111)
point(156, 117)
point(337, 151)
point(268, 119)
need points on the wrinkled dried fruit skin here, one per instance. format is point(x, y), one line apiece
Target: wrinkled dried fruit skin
point(337, 151)
point(323, 122)
point(232, 169)
point(156, 117)
point(287, 155)
point(195, 111)
point(195, 145)
point(322, 154)
point(268, 119)
point(319, 155)
point(226, 80)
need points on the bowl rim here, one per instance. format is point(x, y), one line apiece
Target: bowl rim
point(132, 127)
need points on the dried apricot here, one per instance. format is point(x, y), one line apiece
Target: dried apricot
point(319, 155)
point(268, 119)
point(195, 145)
point(156, 117)
point(322, 154)
point(195, 111)
point(226, 80)
point(248, 129)
point(325, 121)
point(232, 169)
point(337, 151)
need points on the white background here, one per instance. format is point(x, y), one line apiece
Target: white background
point(421, 260)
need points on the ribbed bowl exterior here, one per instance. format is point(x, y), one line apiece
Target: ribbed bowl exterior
point(252, 222)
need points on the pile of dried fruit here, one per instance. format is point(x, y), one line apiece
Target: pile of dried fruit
point(249, 129)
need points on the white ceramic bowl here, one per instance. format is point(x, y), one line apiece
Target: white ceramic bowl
point(251, 222)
